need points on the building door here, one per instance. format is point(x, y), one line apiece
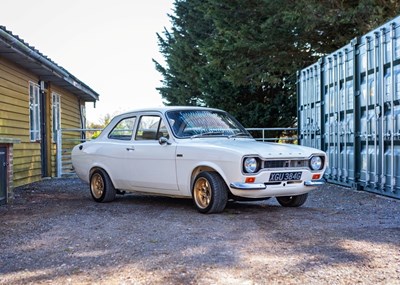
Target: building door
point(3, 175)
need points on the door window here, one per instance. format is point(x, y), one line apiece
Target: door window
point(151, 128)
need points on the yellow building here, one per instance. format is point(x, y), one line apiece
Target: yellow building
point(37, 97)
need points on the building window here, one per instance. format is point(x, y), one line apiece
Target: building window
point(56, 107)
point(34, 111)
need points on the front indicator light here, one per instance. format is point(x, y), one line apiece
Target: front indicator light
point(250, 179)
point(316, 176)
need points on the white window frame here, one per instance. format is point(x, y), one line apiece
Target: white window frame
point(34, 112)
point(83, 116)
point(56, 114)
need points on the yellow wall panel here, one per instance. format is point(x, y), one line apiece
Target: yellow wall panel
point(14, 121)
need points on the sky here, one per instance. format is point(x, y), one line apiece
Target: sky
point(108, 45)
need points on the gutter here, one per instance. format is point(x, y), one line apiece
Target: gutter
point(58, 71)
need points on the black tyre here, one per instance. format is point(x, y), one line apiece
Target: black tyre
point(101, 187)
point(210, 193)
point(292, 201)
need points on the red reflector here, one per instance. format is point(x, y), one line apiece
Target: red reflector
point(316, 176)
point(250, 179)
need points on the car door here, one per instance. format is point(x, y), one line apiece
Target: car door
point(151, 164)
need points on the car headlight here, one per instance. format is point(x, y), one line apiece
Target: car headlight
point(316, 163)
point(250, 165)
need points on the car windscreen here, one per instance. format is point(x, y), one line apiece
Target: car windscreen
point(204, 123)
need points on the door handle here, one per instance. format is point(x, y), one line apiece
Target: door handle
point(130, 148)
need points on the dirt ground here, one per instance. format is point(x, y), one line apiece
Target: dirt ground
point(53, 233)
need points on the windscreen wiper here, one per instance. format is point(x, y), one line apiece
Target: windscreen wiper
point(207, 134)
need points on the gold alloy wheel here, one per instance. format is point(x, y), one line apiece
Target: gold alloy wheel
point(202, 193)
point(97, 185)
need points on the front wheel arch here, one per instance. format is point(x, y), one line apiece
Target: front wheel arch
point(209, 192)
point(204, 167)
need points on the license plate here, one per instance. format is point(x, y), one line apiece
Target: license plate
point(285, 176)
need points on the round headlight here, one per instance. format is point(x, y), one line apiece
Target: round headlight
point(250, 165)
point(316, 163)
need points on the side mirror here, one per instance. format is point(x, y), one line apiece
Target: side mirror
point(163, 141)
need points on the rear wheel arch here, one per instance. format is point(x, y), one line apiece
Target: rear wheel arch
point(101, 187)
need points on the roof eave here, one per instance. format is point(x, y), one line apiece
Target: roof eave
point(14, 49)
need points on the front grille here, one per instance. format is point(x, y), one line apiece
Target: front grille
point(285, 164)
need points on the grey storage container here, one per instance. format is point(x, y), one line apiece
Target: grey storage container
point(349, 106)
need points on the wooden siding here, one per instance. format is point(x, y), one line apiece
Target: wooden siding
point(14, 121)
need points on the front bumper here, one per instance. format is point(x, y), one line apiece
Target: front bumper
point(314, 183)
point(248, 186)
point(261, 186)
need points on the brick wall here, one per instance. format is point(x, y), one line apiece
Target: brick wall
point(9, 145)
point(10, 182)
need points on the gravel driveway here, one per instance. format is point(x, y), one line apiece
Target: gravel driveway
point(54, 233)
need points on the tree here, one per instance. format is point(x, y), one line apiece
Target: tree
point(183, 58)
point(243, 55)
point(100, 125)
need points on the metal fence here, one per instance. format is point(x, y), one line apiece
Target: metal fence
point(278, 135)
point(68, 138)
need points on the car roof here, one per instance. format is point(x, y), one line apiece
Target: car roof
point(162, 110)
point(143, 111)
point(168, 108)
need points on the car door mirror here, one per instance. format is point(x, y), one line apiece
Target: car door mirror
point(163, 141)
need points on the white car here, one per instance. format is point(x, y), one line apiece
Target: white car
point(200, 153)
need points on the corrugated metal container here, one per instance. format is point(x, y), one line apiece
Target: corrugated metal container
point(349, 106)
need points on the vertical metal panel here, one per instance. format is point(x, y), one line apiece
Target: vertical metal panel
point(338, 118)
point(3, 175)
point(310, 106)
point(355, 94)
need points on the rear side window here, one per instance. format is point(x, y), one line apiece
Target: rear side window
point(123, 130)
